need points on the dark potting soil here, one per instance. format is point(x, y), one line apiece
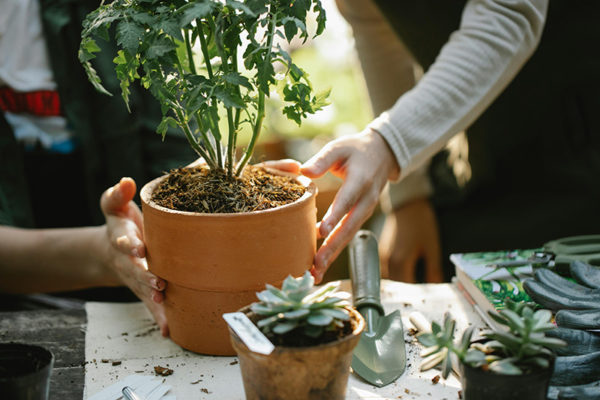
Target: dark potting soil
point(203, 190)
point(296, 338)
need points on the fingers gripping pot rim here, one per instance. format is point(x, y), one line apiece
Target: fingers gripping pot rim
point(215, 263)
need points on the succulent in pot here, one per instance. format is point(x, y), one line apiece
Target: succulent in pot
point(314, 333)
point(216, 232)
point(513, 363)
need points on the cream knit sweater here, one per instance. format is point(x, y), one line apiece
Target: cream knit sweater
point(493, 42)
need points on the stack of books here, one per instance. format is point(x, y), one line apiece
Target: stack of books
point(487, 286)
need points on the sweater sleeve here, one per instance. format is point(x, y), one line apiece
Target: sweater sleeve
point(389, 71)
point(495, 39)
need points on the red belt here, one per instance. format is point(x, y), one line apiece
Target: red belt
point(43, 103)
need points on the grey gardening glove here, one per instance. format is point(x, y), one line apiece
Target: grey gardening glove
point(577, 369)
point(577, 304)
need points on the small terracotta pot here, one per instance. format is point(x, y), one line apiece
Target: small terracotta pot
point(215, 263)
point(298, 373)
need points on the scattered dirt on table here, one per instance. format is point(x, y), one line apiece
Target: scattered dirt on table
point(203, 190)
point(196, 382)
point(114, 363)
point(234, 362)
point(147, 331)
point(162, 371)
point(435, 379)
point(205, 390)
point(412, 331)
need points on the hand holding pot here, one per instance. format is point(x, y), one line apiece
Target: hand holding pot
point(125, 253)
point(365, 163)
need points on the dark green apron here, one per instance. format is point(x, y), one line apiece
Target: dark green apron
point(113, 142)
point(535, 152)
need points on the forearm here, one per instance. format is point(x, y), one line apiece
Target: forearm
point(494, 41)
point(49, 260)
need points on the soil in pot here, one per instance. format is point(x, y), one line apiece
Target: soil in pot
point(300, 372)
point(24, 371)
point(215, 262)
point(203, 190)
point(478, 384)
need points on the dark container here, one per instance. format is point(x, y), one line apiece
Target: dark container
point(479, 384)
point(24, 371)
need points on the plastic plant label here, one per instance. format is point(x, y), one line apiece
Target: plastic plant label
point(252, 337)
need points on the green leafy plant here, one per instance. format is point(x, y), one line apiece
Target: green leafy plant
point(158, 39)
point(296, 306)
point(524, 347)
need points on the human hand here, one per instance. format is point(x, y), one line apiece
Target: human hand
point(409, 234)
point(126, 252)
point(365, 163)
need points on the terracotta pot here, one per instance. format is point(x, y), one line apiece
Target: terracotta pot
point(298, 373)
point(215, 263)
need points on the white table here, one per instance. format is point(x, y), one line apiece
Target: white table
point(125, 335)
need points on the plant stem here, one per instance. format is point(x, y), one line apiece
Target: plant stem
point(214, 112)
point(260, 115)
point(190, 137)
point(188, 46)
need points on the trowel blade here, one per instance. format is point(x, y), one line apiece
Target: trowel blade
point(380, 356)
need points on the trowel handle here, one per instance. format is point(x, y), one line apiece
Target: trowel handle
point(364, 270)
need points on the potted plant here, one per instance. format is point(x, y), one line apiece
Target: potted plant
point(513, 364)
point(314, 333)
point(25, 371)
point(217, 232)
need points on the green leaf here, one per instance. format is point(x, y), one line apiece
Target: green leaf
point(163, 127)
point(241, 7)
point(284, 327)
point(466, 339)
point(505, 367)
point(313, 331)
point(319, 319)
point(160, 47)
point(427, 339)
point(447, 366)
point(505, 338)
point(549, 342)
point(541, 318)
point(474, 358)
point(199, 9)
point(515, 322)
point(296, 314)
point(337, 313)
point(129, 35)
point(236, 79)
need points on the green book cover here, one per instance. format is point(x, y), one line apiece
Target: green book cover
point(488, 286)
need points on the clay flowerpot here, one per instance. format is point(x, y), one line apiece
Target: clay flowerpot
point(24, 371)
point(215, 263)
point(298, 373)
point(478, 384)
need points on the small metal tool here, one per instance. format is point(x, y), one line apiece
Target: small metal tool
point(130, 394)
point(380, 356)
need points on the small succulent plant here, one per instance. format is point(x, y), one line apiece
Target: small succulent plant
point(522, 348)
point(296, 306)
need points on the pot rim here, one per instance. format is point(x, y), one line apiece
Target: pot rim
point(311, 191)
point(43, 353)
point(287, 349)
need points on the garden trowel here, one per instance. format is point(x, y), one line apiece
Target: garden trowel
point(380, 357)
